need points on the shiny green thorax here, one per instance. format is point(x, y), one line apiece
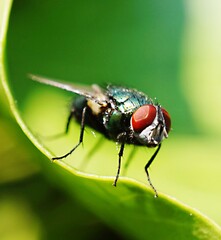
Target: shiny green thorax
point(127, 100)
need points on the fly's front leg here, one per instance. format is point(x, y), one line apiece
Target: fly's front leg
point(148, 165)
point(121, 138)
point(81, 133)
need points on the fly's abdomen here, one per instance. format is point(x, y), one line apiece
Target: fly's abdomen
point(77, 107)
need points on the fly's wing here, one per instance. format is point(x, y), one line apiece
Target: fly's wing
point(94, 93)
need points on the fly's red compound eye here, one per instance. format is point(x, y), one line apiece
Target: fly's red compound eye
point(167, 119)
point(143, 117)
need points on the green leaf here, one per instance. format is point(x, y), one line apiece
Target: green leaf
point(131, 208)
point(14, 165)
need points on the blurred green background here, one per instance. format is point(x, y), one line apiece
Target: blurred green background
point(170, 50)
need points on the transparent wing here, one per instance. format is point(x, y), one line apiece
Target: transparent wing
point(94, 92)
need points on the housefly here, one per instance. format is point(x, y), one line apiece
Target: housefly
point(121, 114)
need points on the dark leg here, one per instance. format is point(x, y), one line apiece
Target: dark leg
point(120, 154)
point(81, 134)
point(148, 165)
point(69, 121)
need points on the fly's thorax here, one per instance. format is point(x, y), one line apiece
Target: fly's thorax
point(116, 123)
point(150, 124)
point(126, 100)
point(112, 122)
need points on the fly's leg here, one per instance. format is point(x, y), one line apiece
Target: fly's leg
point(148, 165)
point(81, 134)
point(121, 138)
point(69, 121)
point(120, 154)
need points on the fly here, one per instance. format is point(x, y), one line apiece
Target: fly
point(121, 114)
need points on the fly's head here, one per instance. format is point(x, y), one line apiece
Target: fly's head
point(150, 124)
